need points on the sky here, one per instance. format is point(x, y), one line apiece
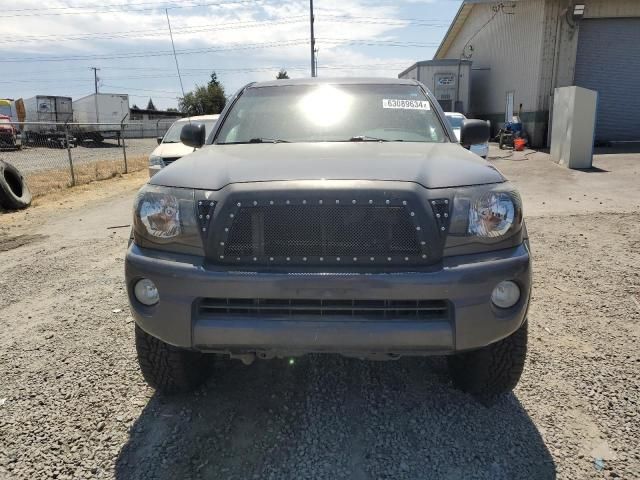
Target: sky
point(48, 48)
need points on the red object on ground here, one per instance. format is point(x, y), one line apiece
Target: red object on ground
point(519, 143)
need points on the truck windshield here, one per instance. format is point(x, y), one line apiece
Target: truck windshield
point(173, 134)
point(332, 113)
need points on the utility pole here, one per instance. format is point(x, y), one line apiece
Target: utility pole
point(313, 41)
point(95, 82)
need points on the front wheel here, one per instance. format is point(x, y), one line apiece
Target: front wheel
point(493, 370)
point(170, 369)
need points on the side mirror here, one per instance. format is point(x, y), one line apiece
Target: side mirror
point(193, 135)
point(474, 132)
point(159, 140)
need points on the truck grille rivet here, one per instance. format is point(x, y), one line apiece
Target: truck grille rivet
point(288, 258)
point(287, 202)
point(322, 259)
point(424, 256)
point(371, 258)
point(270, 202)
point(353, 201)
point(337, 201)
point(413, 214)
point(271, 259)
point(200, 216)
point(304, 202)
point(255, 203)
point(370, 202)
point(442, 228)
point(200, 202)
point(221, 256)
point(226, 229)
point(255, 259)
point(446, 201)
point(222, 243)
point(239, 204)
point(446, 215)
point(388, 259)
point(304, 259)
point(387, 202)
point(406, 259)
point(338, 259)
point(211, 204)
point(320, 202)
point(231, 215)
point(204, 229)
point(417, 228)
point(423, 243)
point(437, 215)
point(433, 202)
point(355, 259)
point(208, 217)
point(404, 202)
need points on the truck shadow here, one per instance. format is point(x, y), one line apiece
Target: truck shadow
point(332, 417)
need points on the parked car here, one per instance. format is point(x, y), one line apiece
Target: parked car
point(9, 137)
point(170, 148)
point(456, 120)
point(330, 216)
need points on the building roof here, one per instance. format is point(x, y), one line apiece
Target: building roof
point(456, 25)
point(163, 113)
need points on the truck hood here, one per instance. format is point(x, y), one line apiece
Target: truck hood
point(172, 150)
point(432, 165)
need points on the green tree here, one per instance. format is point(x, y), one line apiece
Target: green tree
point(282, 74)
point(204, 100)
point(150, 105)
point(171, 109)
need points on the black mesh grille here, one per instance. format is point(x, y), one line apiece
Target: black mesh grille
point(369, 309)
point(318, 230)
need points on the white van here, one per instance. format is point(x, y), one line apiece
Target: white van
point(170, 148)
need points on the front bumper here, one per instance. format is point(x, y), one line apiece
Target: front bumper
point(465, 281)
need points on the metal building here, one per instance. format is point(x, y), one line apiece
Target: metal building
point(523, 49)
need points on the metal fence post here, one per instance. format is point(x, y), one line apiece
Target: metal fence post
point(68, 143)
point(124, 148)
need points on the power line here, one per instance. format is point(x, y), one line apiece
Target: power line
point(125, 8)
point(144, 54)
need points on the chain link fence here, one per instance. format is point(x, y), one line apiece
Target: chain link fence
point(57, 155)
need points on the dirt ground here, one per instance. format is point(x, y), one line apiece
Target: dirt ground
point(74, 405)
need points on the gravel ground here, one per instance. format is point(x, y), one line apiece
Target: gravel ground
point(74, 405)
point(35, 159)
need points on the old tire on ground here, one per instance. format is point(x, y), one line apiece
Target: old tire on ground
point(14, 192)
point(170, 369)
point(492, 370)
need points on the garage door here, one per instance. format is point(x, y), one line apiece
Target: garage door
point(609, 61)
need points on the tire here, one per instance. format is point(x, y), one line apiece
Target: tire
point(14, 192)
point(493, 370)
point(170, 369)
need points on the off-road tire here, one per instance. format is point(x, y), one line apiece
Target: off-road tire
point(14, 192)
point(170, 369)
point(493, 370)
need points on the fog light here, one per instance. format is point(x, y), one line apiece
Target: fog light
point(146, 292)
point(506, 294)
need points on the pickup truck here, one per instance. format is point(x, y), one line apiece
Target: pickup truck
point(330, 216)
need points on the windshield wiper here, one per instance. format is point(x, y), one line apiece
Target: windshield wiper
point(366, 138)
point(266, 140)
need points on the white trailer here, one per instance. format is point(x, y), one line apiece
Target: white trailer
point(45, 119)
point(99, 115)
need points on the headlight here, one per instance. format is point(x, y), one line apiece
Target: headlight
point(492, 214)
point(486, 212)
point(164, 218)
point(155, 160)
